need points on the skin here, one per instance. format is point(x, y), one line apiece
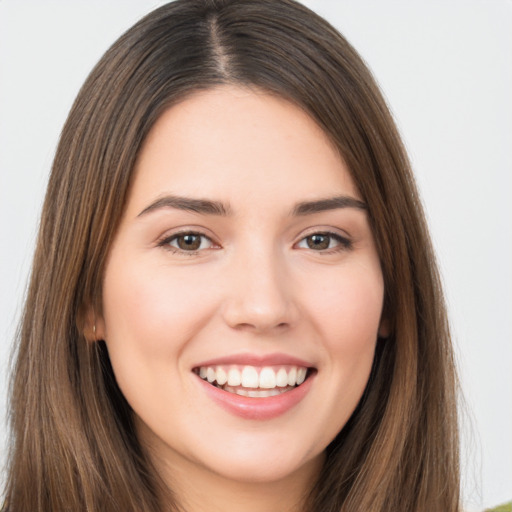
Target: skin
point(255, 286)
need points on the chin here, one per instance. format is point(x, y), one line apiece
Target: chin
point(273, 469)
point(258, 459)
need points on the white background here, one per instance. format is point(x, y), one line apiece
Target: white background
point(446, 70)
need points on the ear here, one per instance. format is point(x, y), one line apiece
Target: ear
point(384, 328)
point(92, 324)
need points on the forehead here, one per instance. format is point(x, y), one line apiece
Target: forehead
point(238, 145)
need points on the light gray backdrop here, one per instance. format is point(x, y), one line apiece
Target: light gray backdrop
point(446, 69)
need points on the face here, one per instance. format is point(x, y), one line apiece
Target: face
point(243, 293)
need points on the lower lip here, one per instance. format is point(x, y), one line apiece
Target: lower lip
point(263, 408)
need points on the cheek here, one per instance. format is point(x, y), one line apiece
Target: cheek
point(346, 312)
point(348, 307)
point(149, 307)
point(150, 315)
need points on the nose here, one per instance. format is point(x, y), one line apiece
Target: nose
point(259, 296)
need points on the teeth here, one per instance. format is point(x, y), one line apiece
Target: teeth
point(253, 381)
point(282, 378)
point(222, 376)
point(292, 376)
point(210, 374)
point(267, 378)
point(257, 393)
point(250, 377)
point(263, 393)
point(301, 375)
point(234, 377)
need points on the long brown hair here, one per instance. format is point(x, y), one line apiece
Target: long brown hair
point(74, 445)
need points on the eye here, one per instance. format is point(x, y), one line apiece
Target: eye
point(187, 242)
point(324, 242)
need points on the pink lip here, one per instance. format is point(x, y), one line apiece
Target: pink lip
point(256, 360)
point(257, 408)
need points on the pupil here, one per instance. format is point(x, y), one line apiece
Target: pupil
point(189, 242)
point(318, 242)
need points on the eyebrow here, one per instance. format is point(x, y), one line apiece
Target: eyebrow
point(203, 206)
point(332, 203)
point(208, 207)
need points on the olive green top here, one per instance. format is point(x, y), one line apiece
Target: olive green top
point(506, 507)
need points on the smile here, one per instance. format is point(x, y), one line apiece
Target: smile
point(254, 381)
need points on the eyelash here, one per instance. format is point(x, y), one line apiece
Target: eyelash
point(343, 243)
point(166, 242)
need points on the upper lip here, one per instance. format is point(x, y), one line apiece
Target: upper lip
point(246, 359)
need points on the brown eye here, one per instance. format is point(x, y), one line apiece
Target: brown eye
point(318, 241)
point(187, 242)
point(327, 242)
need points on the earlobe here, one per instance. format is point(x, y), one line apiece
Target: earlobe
point(93, 326)
point(384, 328)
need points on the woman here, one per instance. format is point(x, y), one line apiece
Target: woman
point(233, 300)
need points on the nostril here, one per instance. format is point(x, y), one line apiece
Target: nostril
point(259, 301)
point(260, 326)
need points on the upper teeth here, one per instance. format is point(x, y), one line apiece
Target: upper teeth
point(254, 377)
